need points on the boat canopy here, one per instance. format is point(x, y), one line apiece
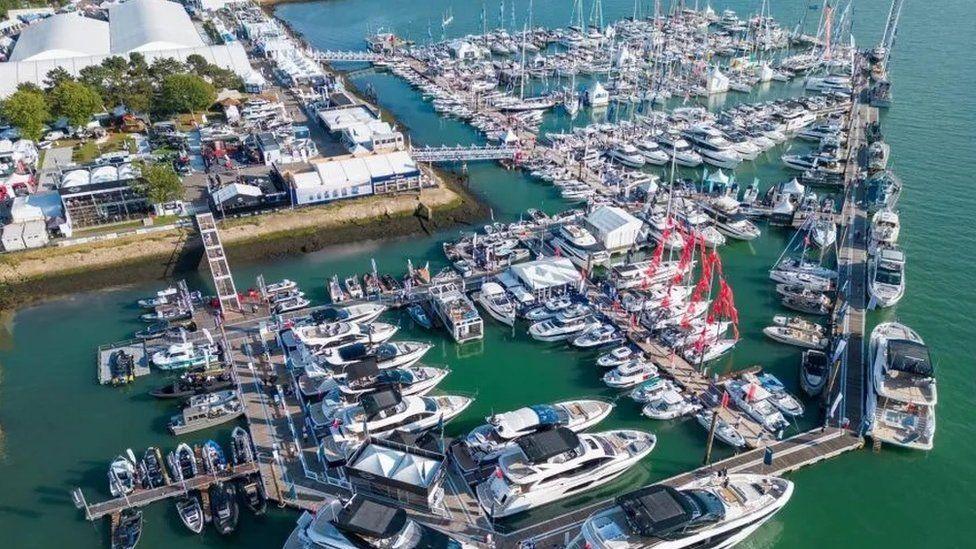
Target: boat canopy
point(370, 518)
point(353, 352)
point(910, 356)
point(656, 510)
point(374, 403)
point(330, 314)
point(362, 369)
point(541, 446)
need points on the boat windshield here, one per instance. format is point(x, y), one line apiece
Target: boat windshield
point(888, 276)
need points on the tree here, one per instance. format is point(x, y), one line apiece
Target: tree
point(56, 76)
point(27, 110)
point(185, 93)
point(74, 101)
point(160, 183)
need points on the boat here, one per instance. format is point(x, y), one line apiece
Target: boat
point(723, 430)
point(794, 336)
point(122, 366)
point(630, 374)
point(670, 404)
point(180, 356)
point(365, 522)
point(242, 450)
point(549, 309)
point(127, 532)
point(223, 507)
point(807, 280)
point(486, 442)
point(679, 150)
point(353, 287)
point(729, 220)
point(367, 377)
point(644, 275)
point(361, 313)
point(121, 476)
point(627, 155)
point(338, 334)
point(653, 153)
point(289, 304)
point(798, 323)
point(336, 293)
point(396, 354)
point(379, 415)
point(420, 316)
point(493, 298)
point(195, 383)
point(903, 378)
point(823, 233)
point(885, 226)
point(713, 350)
point(819, 305)
point(207, 410)
point(651, 389)
point(605, 334)
point(183, 462)
point(752, 399)
point(713, 147)
point(886, 276)
point(785, 402)
point(578, 244)
point(284, 285)
point(814, 372)
point(251, 491)
point(617, 356)
point(169, 313)
point(707, 512)
point(550, 465)
point(152, 472)
point(166, 296)
point(191, 512)
point(165, 329)
point(214, 460)
point(565, 325)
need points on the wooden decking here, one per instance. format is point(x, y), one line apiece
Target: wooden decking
point(105, 357)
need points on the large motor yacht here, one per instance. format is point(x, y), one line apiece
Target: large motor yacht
point(565, 325)
point(712, 146)
point(379, 415)
point(679, 150)
point(578, 244)
point(904, 381)
point(729, 221)
point(364, 522)
point(493, 298)
point(396, 354)
point(337, 334)
point(708, 512)
point(362, 312)
point(487, 441)
point(553, 464)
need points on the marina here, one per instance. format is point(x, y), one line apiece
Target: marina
point(616, 288)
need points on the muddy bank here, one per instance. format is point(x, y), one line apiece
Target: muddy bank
point(187, 257)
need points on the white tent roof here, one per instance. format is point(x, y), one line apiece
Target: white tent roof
point(141, 25)
point(548, 272)
point(719, 177)
point(611, 218)
point(393, 464)
point(793, 187)
point(234, 190)
point(62, 35)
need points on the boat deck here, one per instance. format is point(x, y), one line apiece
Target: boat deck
point(909, 388)
point(135, 347)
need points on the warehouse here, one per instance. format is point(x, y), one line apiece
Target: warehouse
point(350, 177)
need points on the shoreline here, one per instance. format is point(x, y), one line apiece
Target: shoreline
point(248, 240)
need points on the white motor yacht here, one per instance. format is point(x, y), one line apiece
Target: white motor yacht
point(578, 244)
point(605, 334)
point(628, 155)
point(337, 334)
point(365, 522)
point(409, 380)
point(547, 466)
point(549, 309)
point(707, 512)
point(679, 150)
point(121, 476)
point(493, 298)
point(820, 162)
point(379, 415)
point(396, 354)
point(885, 227)
point(652, 153)
point(669, 405)
point(617, 356)
point(814, 372)
point(179, 356)
point(725, 213)
point(487, 441)
point(630, 374)
point(713, 350)
point(563, 326)
point(359, 313)
point(785, 402)
point(904, 381)
point(752, 399)
point(641, 274)
point(724, 431)
point(712, 146)
point(823, 233)
point(793, 336)
point(886, 276)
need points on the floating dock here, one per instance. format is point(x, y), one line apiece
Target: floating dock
point(106, 356)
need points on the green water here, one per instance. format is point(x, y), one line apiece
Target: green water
point(60, 429)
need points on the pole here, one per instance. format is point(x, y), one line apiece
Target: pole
point(711, 437)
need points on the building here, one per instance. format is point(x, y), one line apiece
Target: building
point(371, 137)
point(325, 180)
point(251, 195)
point(614, 228)
point(547, 276)
point(100, 195)
point(337, 119)
point(406, 474)
point(154, 28)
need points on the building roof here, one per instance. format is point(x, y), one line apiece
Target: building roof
point(545, 273)
point(336, 120)
point(406, 467)
point(62, 35)
point(234, 190)
point(151, 25)
point(611, 218)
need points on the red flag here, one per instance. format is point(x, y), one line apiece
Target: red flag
point(725, 399)
point(751, 392)
point(558, 251)
point(498, 472)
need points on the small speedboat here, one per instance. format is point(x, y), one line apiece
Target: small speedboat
point(223, 507)
point(128, 531)
point(606, 334)
point(151, 469)
point(251, 491)
point(183, 462)
point(290, 304)
point(781, 399)
point(548, 309)
point(242, 451)
point(651, 389)
point(798, 323)
point(420, 316)
point(213, 457)
point(630, 374)
point(812, 306)
point(723, 431)
point(191, 512)
point(278, 287)
point(669, 405)
point(617, 356)
point(121, 476)
point(493, 298)
point(814, 372)
point(794, 336)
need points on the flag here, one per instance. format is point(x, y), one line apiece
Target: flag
point(725, 399)
point(750, 392)
point(498, 472)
